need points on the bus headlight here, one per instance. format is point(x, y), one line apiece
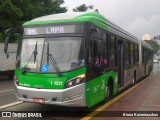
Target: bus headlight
point(75, 81)
point(16, 80)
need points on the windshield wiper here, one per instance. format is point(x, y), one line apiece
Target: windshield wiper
point(31, 59)
point(52, 60)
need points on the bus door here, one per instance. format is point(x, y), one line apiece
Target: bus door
point(120, 64)
point(145, 62)
point(98, 56)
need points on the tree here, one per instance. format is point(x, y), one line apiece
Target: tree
point(13, 13)
point(37, 8)
point(154, 45)
point(83, 8)
point(9, 16)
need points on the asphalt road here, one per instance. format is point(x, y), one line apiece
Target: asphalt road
point(6, 91)
point(7, 97)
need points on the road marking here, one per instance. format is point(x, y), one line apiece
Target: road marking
point(11, 104)
point(6, 90)
point(98, 110)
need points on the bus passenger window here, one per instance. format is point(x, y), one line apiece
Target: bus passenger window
point(105, 52)
point(126, 50)
point(98, 53)
point(99, 56)
point(113, 51)
point(132, 53)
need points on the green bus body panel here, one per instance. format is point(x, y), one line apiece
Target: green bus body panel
point(96, 88)
point(95, 18)
point(47, 81)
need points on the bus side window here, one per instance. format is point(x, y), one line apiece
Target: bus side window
point(97, 52)
point(129, 52)
point(105, 52)
point(94, 48)
point(143, 55)
point(99, 56)
point(112, 51)
point(126, 52)
point(132, 53)
point(136, 55)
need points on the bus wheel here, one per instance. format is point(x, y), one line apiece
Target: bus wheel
point(10, 76)
point(108, 90)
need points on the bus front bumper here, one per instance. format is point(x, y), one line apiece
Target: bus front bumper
point(74, 96)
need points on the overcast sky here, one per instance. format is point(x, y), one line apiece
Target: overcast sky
point(135, 16)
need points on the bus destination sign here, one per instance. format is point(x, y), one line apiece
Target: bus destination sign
point(53, 29)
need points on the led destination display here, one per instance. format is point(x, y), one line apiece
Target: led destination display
point(53, 29)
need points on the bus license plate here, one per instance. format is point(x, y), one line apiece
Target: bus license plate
point(39, 100)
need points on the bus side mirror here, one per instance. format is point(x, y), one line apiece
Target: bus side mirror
point(7, 35)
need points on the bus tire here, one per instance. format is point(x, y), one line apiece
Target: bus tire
point(109, 90)
point(10, 76)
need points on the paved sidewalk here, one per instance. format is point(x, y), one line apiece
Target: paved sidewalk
point(145, 97)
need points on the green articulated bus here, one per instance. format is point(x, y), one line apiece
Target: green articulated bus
point(76, 59)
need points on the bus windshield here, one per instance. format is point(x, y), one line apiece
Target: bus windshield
point(67, 52)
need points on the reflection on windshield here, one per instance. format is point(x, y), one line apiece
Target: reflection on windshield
point(68, 53)
point(31, 59)
point(28, 46)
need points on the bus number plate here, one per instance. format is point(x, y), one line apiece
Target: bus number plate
point(39, 100)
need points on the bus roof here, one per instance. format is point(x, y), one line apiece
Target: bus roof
point(66, 17)
point(92, 17)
